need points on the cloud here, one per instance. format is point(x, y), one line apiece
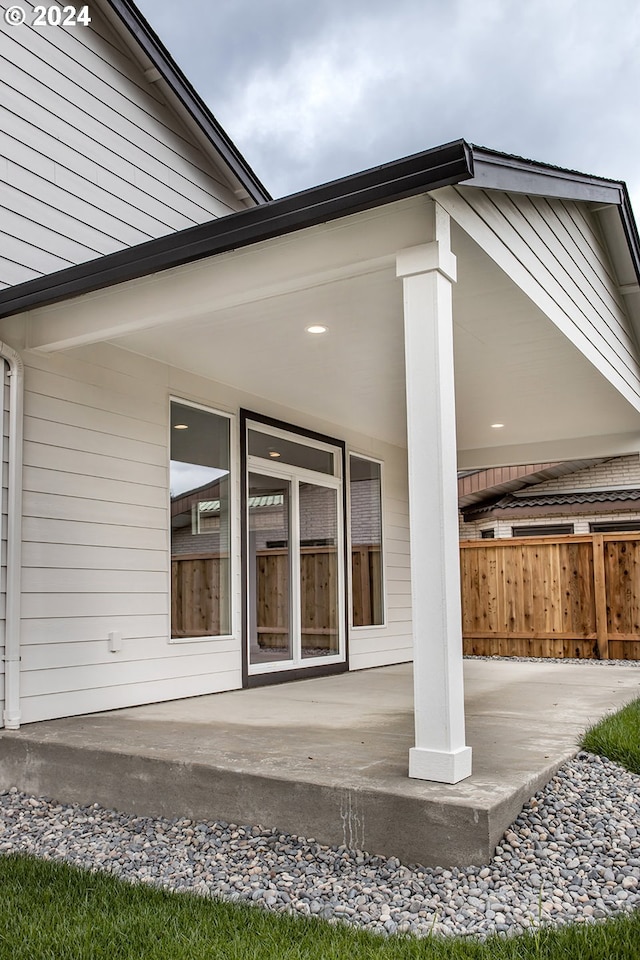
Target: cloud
point(311, 91)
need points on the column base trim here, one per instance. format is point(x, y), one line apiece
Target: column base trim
point(439, 765)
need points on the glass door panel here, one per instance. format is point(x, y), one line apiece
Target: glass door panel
point(269, 569)
point(319, 583)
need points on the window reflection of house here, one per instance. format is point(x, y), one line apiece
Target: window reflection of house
point(197, 514)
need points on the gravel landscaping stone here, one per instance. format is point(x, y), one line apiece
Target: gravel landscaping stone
point(573, 855)
point(565, 660)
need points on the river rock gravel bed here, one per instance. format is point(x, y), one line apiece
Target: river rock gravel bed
point(573, 855)
point(567, 661)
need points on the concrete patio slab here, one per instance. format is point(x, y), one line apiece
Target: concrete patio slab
point(328, 758)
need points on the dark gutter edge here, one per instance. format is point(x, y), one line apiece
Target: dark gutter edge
point(419, 173)
point(171, 73)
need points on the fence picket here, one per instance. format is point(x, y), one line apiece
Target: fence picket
point(568, 596)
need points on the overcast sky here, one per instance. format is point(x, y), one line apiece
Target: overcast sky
point(311, 90)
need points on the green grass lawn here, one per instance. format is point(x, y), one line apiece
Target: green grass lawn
point(51, 911)
point(617, 737)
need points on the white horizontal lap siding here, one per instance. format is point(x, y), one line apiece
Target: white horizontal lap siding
point(392, 643)
point(93, 159)
point(56, 116)
point(37, 165)
point(95, 541)
point(557, 245)
point(72, 678)
point(83, 699)
point(21, 260)
point(4, 407)
point(73, 237)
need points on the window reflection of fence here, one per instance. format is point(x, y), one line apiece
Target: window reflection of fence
point(272, 601)
point(200, 581)
point(199, 595)
point(366, 584)
point(318, 598)
point(568, 596)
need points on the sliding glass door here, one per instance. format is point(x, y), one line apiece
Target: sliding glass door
point(295, 554)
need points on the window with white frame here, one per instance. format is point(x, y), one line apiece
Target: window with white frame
point(365, 498)
point(200, 484)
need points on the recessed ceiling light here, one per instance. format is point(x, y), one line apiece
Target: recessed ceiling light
point(274, 453)
point(181, 426)
point(316, 328)
point(496, 426)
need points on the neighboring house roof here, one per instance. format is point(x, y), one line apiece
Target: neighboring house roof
point(452, 163)
point(553, 503)
point(516, 491)
point(592, 496)
point(163, 70)
point(476, 486)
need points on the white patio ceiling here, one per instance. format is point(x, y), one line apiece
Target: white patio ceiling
point(240, 318)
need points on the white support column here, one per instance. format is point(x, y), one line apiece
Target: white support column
point(428, 272)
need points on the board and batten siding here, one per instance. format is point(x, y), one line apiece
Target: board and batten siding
point(91, 158)
point(553, 250)
point(96, 551)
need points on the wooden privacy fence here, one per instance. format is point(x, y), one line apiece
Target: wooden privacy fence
point(572, 596)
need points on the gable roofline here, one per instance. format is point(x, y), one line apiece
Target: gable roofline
point(493, 170)
point(186, 96)
point(452, 163)
point(438, 167)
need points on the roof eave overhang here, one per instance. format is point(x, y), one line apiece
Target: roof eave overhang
point(420, 173)
point(186, 97)
point(497, 171)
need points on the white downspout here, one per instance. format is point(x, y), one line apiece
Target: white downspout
point(14, 540)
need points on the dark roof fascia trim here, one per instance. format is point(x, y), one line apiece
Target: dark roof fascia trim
point(171, 73)
point(498, 171)
point(630, 228)
point(420, 173)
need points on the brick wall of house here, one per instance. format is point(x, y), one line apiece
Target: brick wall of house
point(616, 474)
